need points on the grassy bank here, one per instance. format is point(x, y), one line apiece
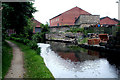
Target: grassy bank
point(34, 64)
point(6, 58)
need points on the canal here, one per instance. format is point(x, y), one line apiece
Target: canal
point(66, 60)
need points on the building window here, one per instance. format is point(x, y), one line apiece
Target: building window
point(37, 29)
point(57, 24)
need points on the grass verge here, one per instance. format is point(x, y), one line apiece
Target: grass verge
point(6, 58)
point(85, 40)
point(33, 63)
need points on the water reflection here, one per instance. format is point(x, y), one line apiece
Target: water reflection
point(75, 53)
point(72, 52)
point(82, 60)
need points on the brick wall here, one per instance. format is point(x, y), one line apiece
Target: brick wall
point(68, 17)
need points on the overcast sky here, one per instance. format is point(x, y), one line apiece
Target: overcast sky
point(47, 9)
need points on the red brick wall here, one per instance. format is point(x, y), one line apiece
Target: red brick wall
point(68, 17)
point(35, 24)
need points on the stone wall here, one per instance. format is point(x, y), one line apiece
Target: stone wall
point(59, 33)
point(59, 29)
point(87, 20)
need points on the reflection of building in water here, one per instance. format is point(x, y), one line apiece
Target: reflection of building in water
point(70, 56)
point(58, 46)
point(93, 53)
point(70, 53)
point(88, 56)
point(79, 56)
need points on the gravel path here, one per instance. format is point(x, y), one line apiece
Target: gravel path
point(17, 65)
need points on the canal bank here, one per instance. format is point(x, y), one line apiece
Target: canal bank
point(65, 61)
point(92, 47)
point(100, 48)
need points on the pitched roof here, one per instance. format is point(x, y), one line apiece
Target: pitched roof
point(36, 22)
point(108, 20)
point(116, 19)
point(81, 12)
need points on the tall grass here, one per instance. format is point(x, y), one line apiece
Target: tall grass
point(6, 58)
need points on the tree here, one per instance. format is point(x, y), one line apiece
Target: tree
point(44, 30)
point(28, 30)
point(119, 27)
point(16, 15)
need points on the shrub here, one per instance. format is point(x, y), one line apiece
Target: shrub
point(25, 41)
point(33, 45)
point(37, 37)
point(13, 35)
point(38, 50)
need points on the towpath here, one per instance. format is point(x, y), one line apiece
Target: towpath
point(17, 64)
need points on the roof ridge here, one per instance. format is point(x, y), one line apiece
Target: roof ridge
point(69, 10)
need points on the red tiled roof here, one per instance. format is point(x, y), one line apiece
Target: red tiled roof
point(80, 10)
point(107, 20)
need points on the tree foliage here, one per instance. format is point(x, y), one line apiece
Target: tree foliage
point(28, 30)
point(16, 15)
point(44, 30)
point(40, 37)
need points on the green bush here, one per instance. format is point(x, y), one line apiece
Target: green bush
point(33, 45)
point(21, 40)
point(26, 41)
point(37, 37)
point(38, 50)
point(13, 35)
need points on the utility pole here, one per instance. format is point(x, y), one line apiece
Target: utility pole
point(118, 9)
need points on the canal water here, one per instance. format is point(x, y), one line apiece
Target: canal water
point(66, 60)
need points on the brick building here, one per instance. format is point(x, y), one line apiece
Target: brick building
point(36, 26)
point(68, 17)
point(108, 21)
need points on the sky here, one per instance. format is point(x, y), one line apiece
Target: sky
point(48, 9)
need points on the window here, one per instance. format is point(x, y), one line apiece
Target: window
point(37, 29)
point(57, 24)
